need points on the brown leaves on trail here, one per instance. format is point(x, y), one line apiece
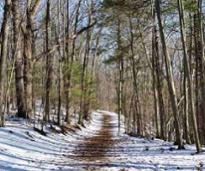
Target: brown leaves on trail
point(95, 148)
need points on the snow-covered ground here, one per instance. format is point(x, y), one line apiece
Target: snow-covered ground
point(22, 148)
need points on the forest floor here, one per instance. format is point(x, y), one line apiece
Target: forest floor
point(95, 147)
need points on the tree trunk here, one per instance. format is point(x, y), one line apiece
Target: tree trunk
point(84, 79)
point(188, 73)
point(20, 96)
point(170, 79)
point(200, 69)
point(49, 64)
point(67, 77)
point(154, 76)
point(159, 83)
point(59, 66)
point(71, 58)
point(28, 55)
point(121, 75)
point(92, 72)
point(4, 53)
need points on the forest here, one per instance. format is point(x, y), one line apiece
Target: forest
point(102, 85)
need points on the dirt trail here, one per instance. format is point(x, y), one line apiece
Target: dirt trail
point(95, 147)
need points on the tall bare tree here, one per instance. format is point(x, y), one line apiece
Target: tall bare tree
point(4, 53)
point(188, 73)
point(28, 53)
point(170, 79)
point(49, 63)
point(17, 55)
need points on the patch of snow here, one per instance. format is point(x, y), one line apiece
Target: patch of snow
point(22, 148)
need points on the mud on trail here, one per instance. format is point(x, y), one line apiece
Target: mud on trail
point(95, 148)
point(96, 151)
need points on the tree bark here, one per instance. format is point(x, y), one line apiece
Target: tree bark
point(4, 53)
point(59, 66)
point(71, 59)
point(67, 75)
point(28, 55)
point(84, 100)
point(121, 75)
point(49, 65)
point(17, 55)
point(170, 79)
point(200, 68)
point(188, 73)
point(154, 77)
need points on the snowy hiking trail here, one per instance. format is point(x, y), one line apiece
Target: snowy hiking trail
point(96, 147)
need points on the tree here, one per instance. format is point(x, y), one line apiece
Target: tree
point(28, 54)
point(200, 66)
point(188, 74)
point(83, 114)
point(4, 53)
point(70, 57)
point(49, 63)
point(169, 77)
point(17, 56)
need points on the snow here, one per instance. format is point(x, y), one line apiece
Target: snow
point(22, 148)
